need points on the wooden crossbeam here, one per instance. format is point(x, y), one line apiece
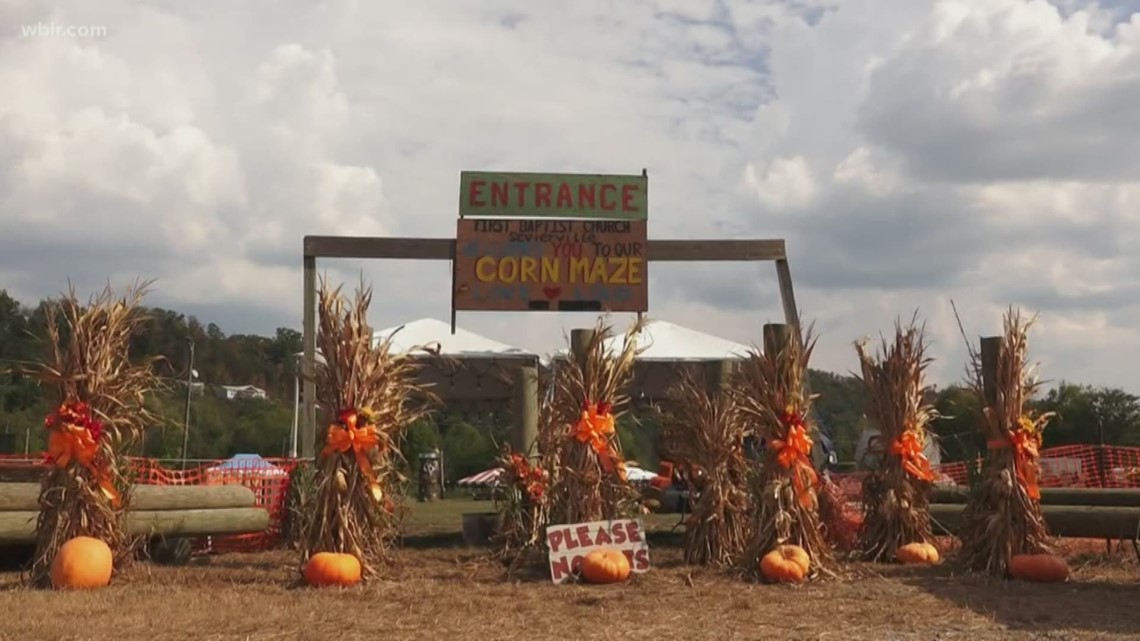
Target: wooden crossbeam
point(314, 247)
point(444, 249)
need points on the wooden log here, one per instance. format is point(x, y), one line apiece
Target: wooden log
point(237, 520)
point(775, 337)
point(580, 340)
point(1074, 521)
point(1080, 496)
point(17, 497)
point(525, 432)
point(990, 352)
point(718, 374)
point(20, 472)
point(20, 527)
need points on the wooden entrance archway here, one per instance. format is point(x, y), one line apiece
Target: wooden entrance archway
point(444, 249)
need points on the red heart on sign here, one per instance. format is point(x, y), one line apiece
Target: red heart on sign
point(551, 292)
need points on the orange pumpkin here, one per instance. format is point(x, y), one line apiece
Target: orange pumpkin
point(786, 564)
point(605, 565)
point(332, 569)
point(1045, 568)
point(82, 563)
point(917, 554)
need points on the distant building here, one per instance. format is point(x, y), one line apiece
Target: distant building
point(197, 388)
point(234, 392)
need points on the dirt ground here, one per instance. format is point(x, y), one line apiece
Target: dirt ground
point(457, 594)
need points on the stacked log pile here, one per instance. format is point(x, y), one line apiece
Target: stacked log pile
point(156, 510)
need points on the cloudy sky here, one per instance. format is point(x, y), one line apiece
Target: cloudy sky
point(912, 152)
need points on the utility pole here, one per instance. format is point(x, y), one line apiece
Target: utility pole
point(189, 391)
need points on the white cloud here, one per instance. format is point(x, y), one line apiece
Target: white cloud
point(859, 169)
point(911, 152)
point(786, 183)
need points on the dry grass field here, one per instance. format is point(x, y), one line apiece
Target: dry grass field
point(455, 593)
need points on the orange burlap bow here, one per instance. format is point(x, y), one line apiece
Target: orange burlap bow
point(1026, 444)
point(345, 436)
point(73, 436)
point(914, 461)
point(793, 453)
point(595, 427)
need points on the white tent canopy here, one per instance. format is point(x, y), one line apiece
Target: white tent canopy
point(422, 332)
point(429, 331)
point(432, 332)
point(664, 341)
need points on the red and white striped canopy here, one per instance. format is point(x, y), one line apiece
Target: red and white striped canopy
point(486, 477)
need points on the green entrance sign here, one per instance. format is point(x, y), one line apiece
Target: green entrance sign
point(533, 195)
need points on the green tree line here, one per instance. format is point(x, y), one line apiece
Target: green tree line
point(220, 428)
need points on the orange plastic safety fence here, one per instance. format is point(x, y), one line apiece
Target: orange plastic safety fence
point(1085, 466)
point(267, 477)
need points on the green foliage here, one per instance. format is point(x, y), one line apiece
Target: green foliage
point(1091, 415)
point(467, 450)
point(421, 437)
point(218, 428)
point(639, 441)
point(1082, 412)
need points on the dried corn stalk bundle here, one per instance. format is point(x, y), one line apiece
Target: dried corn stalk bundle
point(896, 496)
point(1003, 517)
point(522, 507)
point(770, 394)
point(375, 396)
point(702, 427)
point(579, 427)
point(100, 415)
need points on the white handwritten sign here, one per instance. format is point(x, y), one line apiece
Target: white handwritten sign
point(569, 544)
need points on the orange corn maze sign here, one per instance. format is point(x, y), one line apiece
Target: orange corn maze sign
point(551, 265)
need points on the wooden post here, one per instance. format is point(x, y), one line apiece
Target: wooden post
point(718, 374)
point(526, 411)
point(775, 337)
point(787, 294)
point(580, 340)
point(775, 340)
point(309, 358)
point(791, 312)
point(991, 355)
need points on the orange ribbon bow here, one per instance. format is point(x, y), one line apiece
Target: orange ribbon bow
point(73, 436)
point(594, 427)
point(793, 453)
point(914, 461)
point(1025, 446)
point(346, 436)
